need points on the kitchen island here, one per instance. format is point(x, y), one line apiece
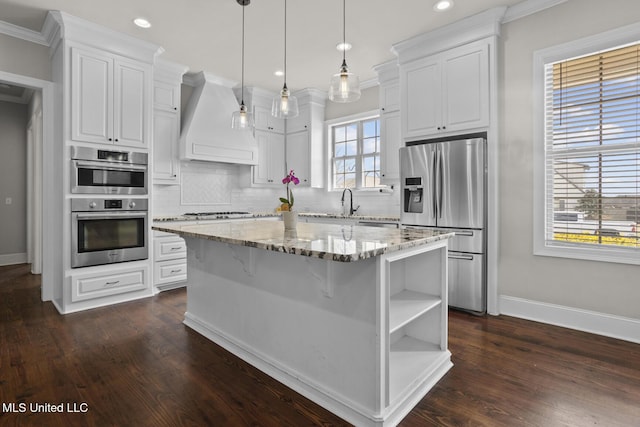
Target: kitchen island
point(352, 317)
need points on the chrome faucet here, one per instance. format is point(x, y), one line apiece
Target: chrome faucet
point(351, 209)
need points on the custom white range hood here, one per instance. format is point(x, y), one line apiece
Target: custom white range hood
point(206, 131)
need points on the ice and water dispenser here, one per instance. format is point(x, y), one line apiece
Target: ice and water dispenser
point(413, 195)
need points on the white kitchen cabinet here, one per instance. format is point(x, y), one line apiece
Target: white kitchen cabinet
point(170, 261)
point(264, 120)
point(301, 122)
point(166, 133)
point(110, 99)
point(100, 284)
point(446, 92)
point(271, 165)
point(166, 96)
point(391, 141)
point(390, 129)
point(166, 122)
point(297, 156)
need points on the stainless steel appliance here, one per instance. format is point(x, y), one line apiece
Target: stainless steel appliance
point(95, 171)
point(105, 231)
point(443, 186)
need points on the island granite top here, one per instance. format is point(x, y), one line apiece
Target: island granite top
point(335, 242)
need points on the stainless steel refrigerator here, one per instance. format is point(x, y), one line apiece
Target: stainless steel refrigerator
point(443, 186)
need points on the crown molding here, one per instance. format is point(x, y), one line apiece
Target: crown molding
point(23, 33)
point(467, 30)
point(528, 7)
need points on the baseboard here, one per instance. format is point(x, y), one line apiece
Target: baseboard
point(608, 325)
point(10, 259)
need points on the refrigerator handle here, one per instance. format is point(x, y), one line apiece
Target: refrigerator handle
point(440, 182)
point(434, 200)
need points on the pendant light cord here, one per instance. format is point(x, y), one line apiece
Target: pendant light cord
point(242, 90)
point(285, 43)
point(344, 31)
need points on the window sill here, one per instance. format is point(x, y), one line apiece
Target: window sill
point(614, 255)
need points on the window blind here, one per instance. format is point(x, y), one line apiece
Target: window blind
point(592, 150)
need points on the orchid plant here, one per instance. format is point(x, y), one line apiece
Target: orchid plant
point(287, 203)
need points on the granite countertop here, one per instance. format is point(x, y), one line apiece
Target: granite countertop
point(389, 218)
point(334, 242)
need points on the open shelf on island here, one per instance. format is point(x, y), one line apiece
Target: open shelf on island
point(410, 360)
point(408, 305)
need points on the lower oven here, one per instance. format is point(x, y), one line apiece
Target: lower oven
point(106, 231)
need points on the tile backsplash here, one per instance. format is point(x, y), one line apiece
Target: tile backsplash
point(225, 187)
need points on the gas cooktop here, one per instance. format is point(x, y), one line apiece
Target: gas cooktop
point(216, 213)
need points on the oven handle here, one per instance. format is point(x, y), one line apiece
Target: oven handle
point(109, 165)
point(110, 215)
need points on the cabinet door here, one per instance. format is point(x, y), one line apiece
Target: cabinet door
point(390, 145)
point(91, 96)
point(466, 87)
point(166, 96)
point(265, 121)
point(165, 147)
point(298, 156)
point(131, 102)
point(421, 97)
point(270, 168)
point(390, 97)
point(301, 121)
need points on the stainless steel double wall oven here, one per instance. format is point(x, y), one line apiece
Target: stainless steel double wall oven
point(107, 230)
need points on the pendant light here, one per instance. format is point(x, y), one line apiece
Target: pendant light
point(345, 86)
point(285, 105)
point(242, 119)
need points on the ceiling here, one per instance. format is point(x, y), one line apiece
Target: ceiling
point(206, 34)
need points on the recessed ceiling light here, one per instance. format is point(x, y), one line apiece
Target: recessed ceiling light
point(343, 46)
point(142, 23)
point(279, 73)
point(443, 5)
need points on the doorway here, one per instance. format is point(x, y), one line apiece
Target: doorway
point(40, 141)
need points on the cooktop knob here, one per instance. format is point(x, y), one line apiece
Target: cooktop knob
point(132, 205)
point(92, 205)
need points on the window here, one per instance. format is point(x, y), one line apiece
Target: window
point(591, 159)
point(356, 154)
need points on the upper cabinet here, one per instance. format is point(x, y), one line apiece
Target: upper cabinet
point(448, 78)
point(110, 98)
point(288, 144)
point(166, 121)
point(390, 133)
point(446, 92)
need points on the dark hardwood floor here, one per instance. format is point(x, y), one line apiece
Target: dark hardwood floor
point(136, 364)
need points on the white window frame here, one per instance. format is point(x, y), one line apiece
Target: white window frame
point(581, 47)
point(329, 125)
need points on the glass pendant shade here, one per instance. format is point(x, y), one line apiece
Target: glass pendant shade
point(242, 119)
point(345, 86)
point(285, 105)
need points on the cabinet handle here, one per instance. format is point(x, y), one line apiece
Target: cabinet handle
point(176, 271)
point(111, 283)
point(116, 139)
point(444, 127)
point(175, 108)
point(382, 108)
point(110, 139)
point(176, 248)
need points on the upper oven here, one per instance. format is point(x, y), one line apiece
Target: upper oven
point(96, 171)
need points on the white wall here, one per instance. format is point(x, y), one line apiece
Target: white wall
point(595, 286)
point(13, 182)
point(24, 58)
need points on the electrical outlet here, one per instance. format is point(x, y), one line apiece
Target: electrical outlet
point(8, 201)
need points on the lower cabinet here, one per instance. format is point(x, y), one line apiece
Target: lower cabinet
point(170, 261)
point(102, 285)
point(97, 285)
